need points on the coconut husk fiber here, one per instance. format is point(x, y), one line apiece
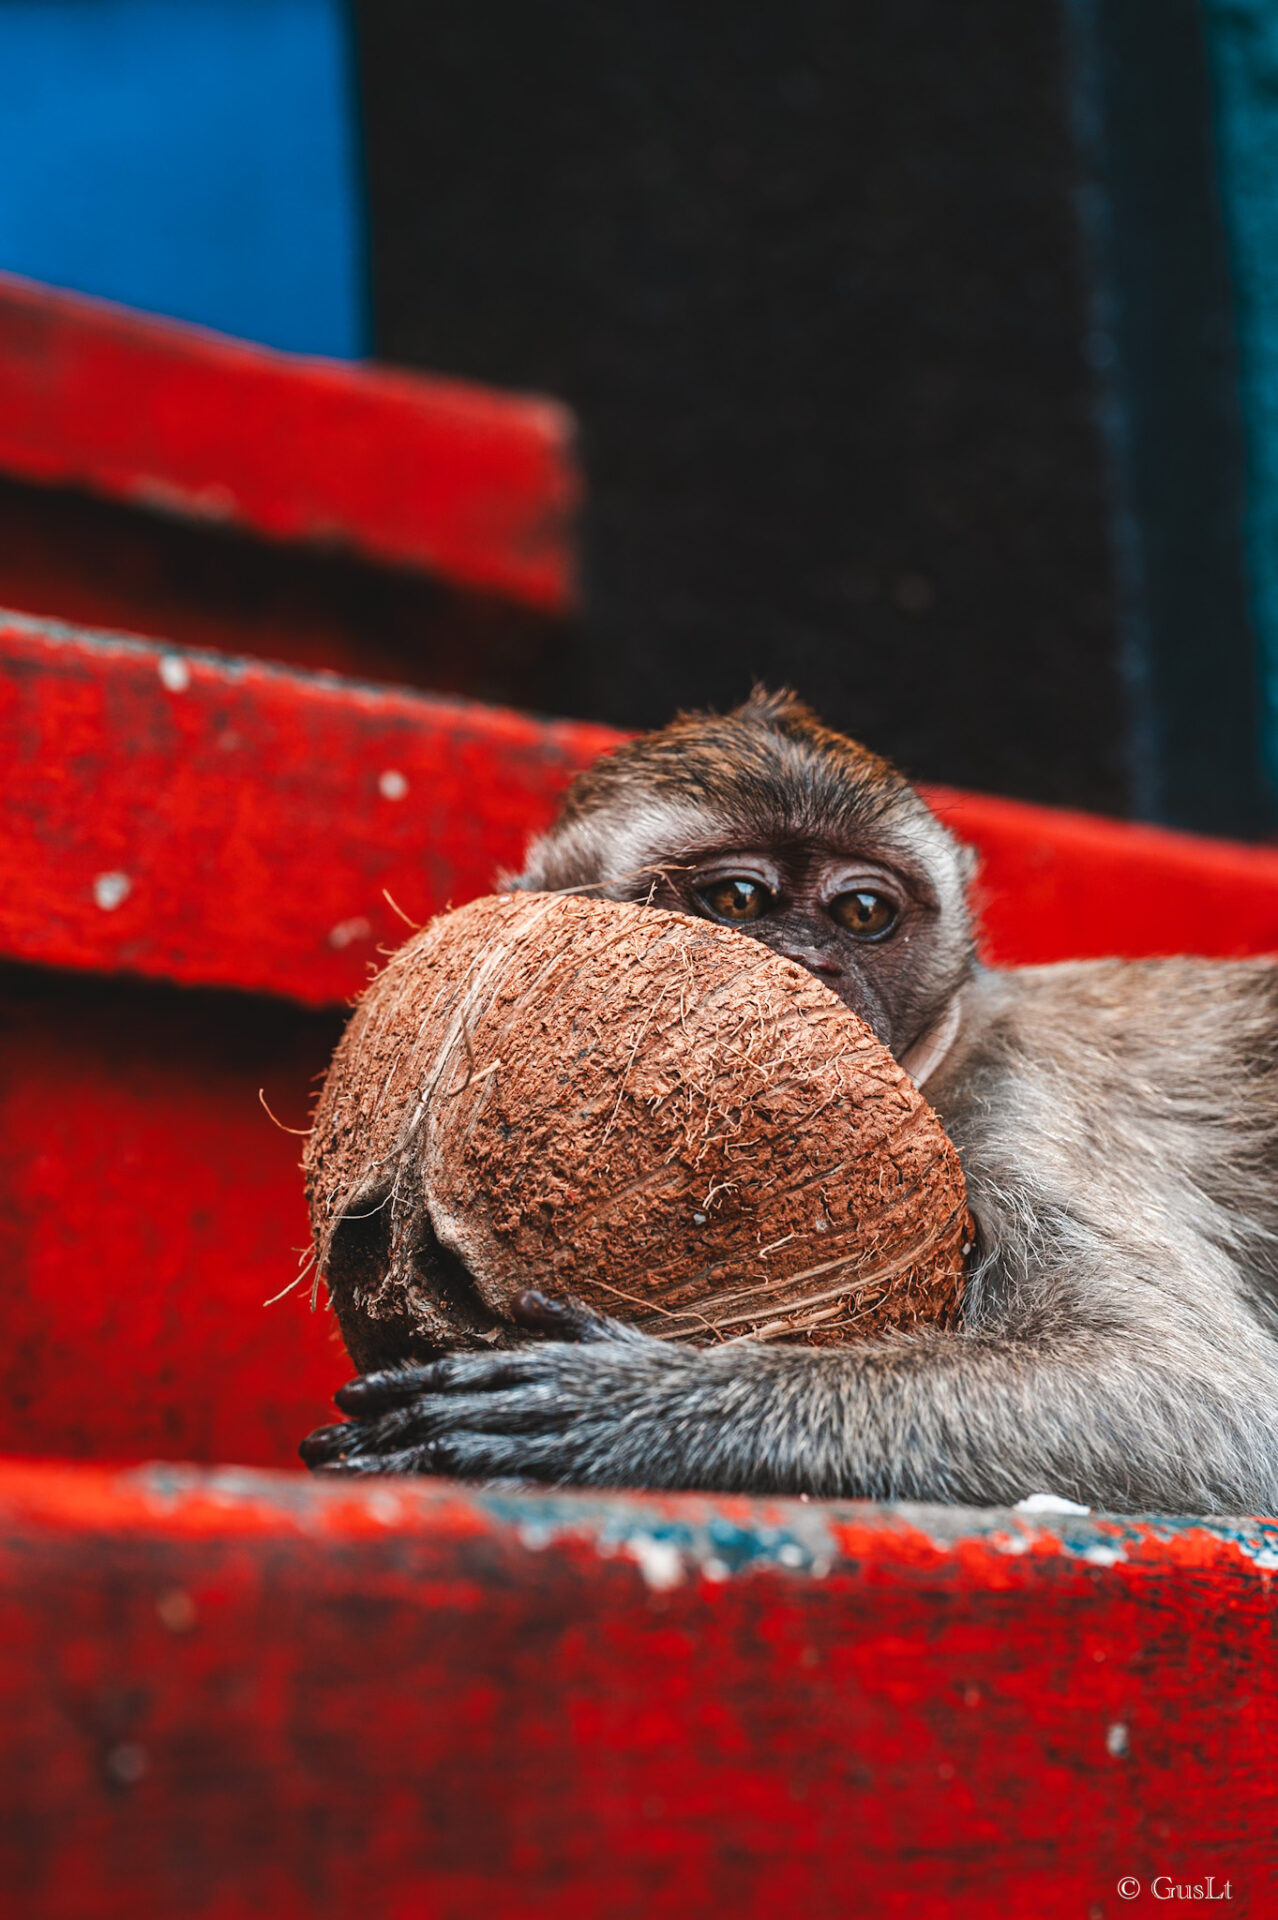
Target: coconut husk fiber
point(646, 1111)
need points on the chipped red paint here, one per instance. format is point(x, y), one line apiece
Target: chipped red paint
point(219, 822)
point(233, 1696)
point(477, 487)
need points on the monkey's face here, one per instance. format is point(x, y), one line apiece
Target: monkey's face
point(765, 821)
point(853, 922)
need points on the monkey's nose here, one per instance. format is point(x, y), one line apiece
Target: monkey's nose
point(815, 959)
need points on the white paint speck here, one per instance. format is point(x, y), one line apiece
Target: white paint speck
point(790, 1555)
point(174, 673)
point(1116, 1740)
point(111, 890)
point(127, 1763)
point(658, 1561)
point(176, 1609)
point(392, 785)
point(716, 1569)
point(698, 1219)
point(1048, 1503)
point(347, 932)
point(1102, 1556)
point(212, 502)
point(821, 1224)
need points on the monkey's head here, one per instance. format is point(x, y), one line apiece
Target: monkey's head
point(770, 823)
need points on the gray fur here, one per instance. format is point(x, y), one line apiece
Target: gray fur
point(1117, 1125)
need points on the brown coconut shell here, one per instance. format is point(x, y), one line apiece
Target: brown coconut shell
point(646, 1111)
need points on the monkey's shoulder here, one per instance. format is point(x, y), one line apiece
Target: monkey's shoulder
point(1188, 1036)
point(1134, 1005)
point(1123, 1117)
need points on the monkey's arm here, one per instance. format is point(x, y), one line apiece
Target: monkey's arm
point(977, 1418)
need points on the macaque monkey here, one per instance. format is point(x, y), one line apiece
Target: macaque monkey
point(1116, 1123)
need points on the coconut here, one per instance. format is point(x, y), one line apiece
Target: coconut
point(653, 1114)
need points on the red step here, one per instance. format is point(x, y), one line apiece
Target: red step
point(238, 1696)
point(221, 822)
point(475, 486)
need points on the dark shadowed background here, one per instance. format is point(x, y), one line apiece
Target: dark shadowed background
point(841, 293)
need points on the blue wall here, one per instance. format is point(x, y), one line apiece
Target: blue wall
point(198, 158)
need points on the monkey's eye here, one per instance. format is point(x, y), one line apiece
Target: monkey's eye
point(867, 915)
point(735, 901)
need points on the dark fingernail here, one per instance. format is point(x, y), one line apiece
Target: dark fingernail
point(352, 1395)
point(320, 1445)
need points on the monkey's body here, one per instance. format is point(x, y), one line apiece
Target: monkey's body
point(1118, 1126)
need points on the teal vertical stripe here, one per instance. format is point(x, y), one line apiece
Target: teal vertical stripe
point(1161, 344)
point(1093, 200)
point(1242, 38)
point(199, 158)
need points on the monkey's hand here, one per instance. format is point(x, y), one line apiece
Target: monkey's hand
point(597, 1403)
point(982, 1417)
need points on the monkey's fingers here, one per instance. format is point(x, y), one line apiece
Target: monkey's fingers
point(564, 1319)
point(569, 1320)
point(408, 1460)
point(473, 1436)
point(376, 1394)
point(326, 1446)
point(390, 1387)
point(352, 1440)
point(490, 1459)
